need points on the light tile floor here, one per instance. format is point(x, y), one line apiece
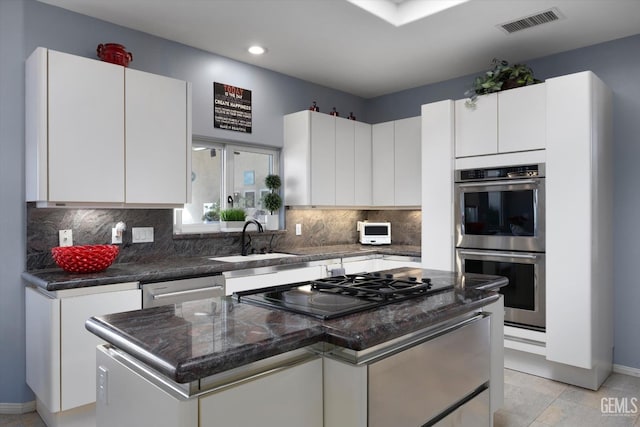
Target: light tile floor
point(529, 401)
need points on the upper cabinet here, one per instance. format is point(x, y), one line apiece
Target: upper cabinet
point(327, 160)
point(99, 133)
point(505, 122)
point(397, 162)
point(331, 161)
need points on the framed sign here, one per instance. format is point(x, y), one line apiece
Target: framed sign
point(231, 108)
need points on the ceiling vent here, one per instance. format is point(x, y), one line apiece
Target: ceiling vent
point(550, 15)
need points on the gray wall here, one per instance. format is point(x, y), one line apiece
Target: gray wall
point(26, 24)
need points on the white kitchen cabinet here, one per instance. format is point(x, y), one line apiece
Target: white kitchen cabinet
point(579, 249)
point(345, 161)
point(98, 134)
point(362, 164)
point(74, 129)
point(157, 139)
point(383, 164)
point(289, 397)
point(477, 128)
point(407, 161)
point(326, 160)
point(522, 119)
point(60, 364)
point(323, 159)
point(396, 162)
point(513, 120)
point(437, 185)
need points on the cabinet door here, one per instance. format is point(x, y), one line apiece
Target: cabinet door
point(344, 162)
point(323, 158)
point(408, 162)
point(288, 398)
point(296, 158)
point(157, 139)
point(78, 346)
point(86, 130)
point(362, 164)
point(43, 347)
point(382, 136)
point(522, 123)
point(477, 128)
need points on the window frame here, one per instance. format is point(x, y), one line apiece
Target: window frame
point(227, 149)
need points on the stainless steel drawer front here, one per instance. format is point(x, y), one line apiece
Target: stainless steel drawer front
point(412, 387)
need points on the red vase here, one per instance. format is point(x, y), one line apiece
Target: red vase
point(114, 53)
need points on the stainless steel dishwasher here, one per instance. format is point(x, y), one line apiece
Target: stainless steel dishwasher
point(177, 291)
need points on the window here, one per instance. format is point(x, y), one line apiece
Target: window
point(224, 176)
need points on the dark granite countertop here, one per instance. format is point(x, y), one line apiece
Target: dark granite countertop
point(172, 268)
point(193, 340)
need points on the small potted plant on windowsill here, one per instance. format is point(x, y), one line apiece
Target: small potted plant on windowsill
point(272, 202)
point(232, 219)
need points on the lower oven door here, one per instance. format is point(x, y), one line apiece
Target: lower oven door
point(524, 296)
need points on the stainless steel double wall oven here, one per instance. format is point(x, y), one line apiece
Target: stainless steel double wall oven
point(500, 229)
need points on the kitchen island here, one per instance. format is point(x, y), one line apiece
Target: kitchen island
point(219, 361)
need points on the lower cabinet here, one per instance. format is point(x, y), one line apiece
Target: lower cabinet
point(60, 363)
point(288, 394)
point(291, 397)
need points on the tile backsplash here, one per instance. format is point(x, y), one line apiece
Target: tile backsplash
point(320, 227)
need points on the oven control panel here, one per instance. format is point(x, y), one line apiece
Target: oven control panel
point(509, 172)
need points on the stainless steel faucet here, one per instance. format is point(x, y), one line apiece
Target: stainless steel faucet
point(246, 246)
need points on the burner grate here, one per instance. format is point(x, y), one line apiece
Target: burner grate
point(373, 286)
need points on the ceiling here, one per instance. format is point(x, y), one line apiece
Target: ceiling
point(337, 44)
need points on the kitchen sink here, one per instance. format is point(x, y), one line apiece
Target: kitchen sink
point(252, 257)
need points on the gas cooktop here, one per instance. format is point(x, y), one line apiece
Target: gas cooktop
point(338, 296)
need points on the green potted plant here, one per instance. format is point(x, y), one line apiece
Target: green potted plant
point(212, 214)
point(272, 201)
point(501, 76)
point(232, 219)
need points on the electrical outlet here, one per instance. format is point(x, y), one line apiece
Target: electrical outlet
point(116, 238)
point(65, 238)
point(298, 229)
point(142, 234)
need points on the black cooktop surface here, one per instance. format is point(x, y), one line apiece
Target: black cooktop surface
point(332, 297)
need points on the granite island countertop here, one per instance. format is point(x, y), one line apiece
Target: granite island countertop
point(176, 267)
point(192, 340)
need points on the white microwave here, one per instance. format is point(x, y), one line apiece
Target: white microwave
point(374, 233)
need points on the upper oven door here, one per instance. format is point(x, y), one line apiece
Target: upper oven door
point(502, 215)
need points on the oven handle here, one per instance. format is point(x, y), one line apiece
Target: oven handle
point(497, 183)
point(499, 254)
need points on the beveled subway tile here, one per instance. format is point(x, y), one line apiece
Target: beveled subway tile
point(563, 413)
point(538, 384)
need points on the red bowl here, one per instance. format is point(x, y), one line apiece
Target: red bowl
point(85, 259)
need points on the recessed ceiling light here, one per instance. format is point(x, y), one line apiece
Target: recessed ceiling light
point(257, 50)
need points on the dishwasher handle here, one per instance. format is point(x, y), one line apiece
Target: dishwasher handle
point(191, 294)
